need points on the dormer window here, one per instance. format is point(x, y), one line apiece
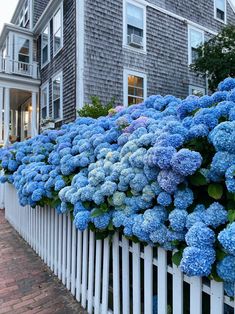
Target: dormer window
point(23, 19)
point(220, 10)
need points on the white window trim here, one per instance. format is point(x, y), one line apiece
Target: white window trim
point(49, 46)
point(60, 7)
point(201, 89)
point(127, 72)
point(189, 41)
point(59, 74)
point(225, 13)
point(43, 87)
point(125, 45)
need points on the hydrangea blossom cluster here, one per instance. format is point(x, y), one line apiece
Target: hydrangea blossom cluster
point(162, 172)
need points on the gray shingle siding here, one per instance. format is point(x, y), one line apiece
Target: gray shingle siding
point(38, 8)
point(64, 61)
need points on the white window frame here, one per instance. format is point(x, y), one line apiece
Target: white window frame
point(189, 41)
point(126, 73)
point(49, 46)
point(60, 7)
point(225, 12)
point(59, 74)
point(43, 87)
point(125, 44)
point(201, 89)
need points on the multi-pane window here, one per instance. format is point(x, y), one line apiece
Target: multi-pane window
point(23, 19)
point(57, 96)
point(23, 50)
point(45, 45)
point(57, 31)
point(196, 38)
point(135, 25)
point(45, 101)
point(196, 91)
point(135, 87)
point(220, 10)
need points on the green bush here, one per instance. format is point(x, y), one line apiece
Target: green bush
point(96, 109)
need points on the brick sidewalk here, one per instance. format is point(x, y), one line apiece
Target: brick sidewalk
point(26, 285)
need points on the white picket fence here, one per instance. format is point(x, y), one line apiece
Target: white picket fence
point(112, 275)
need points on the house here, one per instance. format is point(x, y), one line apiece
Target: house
point(55, 54)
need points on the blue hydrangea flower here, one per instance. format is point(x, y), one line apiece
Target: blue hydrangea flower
point(226, 268)
point(186, 162)
point(227, 239)
point(199, 235)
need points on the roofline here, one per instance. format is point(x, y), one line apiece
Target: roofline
point(46, 15)
point(17, 11)
point(232, 5)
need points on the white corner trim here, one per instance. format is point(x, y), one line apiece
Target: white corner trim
point(80, 45)
point(127, 72)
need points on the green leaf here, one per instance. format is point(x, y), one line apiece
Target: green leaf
point(215, 191)
point(177, 257)
point(198, 179)
point(220, 255)
point(104, 207)
point(231, 215)
point(96, 212)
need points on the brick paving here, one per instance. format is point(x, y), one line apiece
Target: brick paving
point(27, 286)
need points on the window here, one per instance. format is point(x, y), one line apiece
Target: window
point(196, 91)
point(57, 31)
point(45, 52)
point(135, 25)
point(134, 87)
point(24, 15)
point(220, 10)
point(195, 38)
point(23, 51)
point(57, 97)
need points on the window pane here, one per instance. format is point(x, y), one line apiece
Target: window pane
point(56, 88)
point(45, 54)
point(22, 45)
point(135, 16)
point(220, 4)
point(56, 108)
point(196, 38)
point(23, 58)
point(57, 21)
point(57, 41)
point(44, 112)
point(220, 14)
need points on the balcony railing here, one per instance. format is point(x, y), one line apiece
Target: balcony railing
point(19, 68)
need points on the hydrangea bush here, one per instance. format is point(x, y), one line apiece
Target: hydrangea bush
point(161, 172)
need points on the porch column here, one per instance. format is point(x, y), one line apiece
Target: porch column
point(34, 114)
point(6, 116)
point(1, 115)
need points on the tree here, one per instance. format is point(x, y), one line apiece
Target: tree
point(96, 109)
point(216, 57)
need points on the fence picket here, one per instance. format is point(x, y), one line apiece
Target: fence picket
point(195, 295)
point(56, 245)
point(217, 298)
point(105, 280)
point(162, 281)
point(136, 283)
point(79, 266)
point(148, 280)
point(52, 256)
point(64, 249)
point(98, 276)
point(125, 277)
point(68, 270)
point(91, 272)
point(84, 268)
point(177, 291)
point(116, 275)
point(60, 249)
point(73, 270)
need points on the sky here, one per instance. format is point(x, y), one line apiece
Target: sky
point(7, 8)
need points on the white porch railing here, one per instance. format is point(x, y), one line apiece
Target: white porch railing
point(20, 68)
point(115, 276)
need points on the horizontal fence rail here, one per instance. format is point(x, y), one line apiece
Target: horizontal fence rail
point(112, 275)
